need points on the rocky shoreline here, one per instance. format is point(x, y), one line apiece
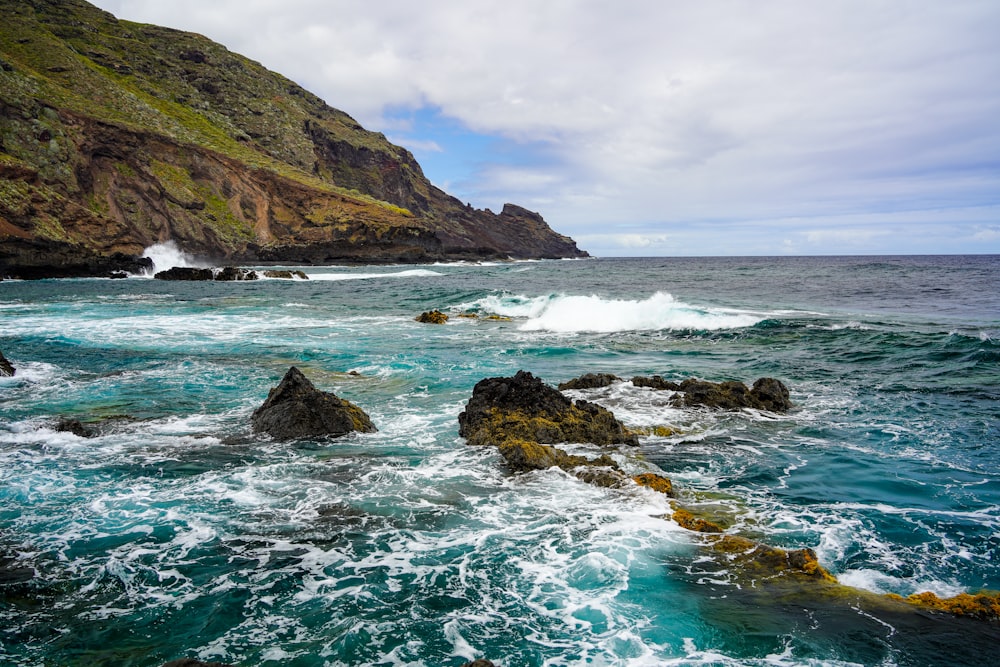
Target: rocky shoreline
point(530, 422)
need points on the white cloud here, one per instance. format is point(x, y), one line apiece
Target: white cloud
point(663, 114)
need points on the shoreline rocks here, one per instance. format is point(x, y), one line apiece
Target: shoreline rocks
point(296, 409)
point(523, 407)
point(766, 394)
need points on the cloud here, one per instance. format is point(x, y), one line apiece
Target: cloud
point(671, 115)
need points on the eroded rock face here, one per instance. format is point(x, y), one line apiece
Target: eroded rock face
point(297, 409)
point(6, 369)
point(523, 407)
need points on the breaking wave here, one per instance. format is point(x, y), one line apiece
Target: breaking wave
point(564, 313)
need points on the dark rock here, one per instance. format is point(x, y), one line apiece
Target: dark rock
point(235, 273)
point(767, 394)
point(297, 409)
point(655, 382)
point(526, 408)
point(771, 394)
point(76, 427)
point(479, 663)
point(432, 317)
point(117, 275)
point(190, 662)
point(13, 573)
point(6, 369)
point(185, 273)
point(285, 275)
point(590, 381)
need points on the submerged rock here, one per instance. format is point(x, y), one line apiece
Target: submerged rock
point(297, 409)
point(76, 427)
point(590, 381)
point(983, 606)
point(190, 662)
point(185, 273)
point(432, 317)
point(6, 369)
point(525, 408)
point(763, 561)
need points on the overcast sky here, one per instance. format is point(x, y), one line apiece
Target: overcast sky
point(665, 127)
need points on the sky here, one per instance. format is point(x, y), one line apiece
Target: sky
point(665, 127)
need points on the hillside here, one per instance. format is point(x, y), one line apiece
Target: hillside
point(117, 135)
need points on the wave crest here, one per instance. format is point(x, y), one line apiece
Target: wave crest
point(566, 314)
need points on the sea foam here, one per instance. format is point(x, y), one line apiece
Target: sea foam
point(565, 313)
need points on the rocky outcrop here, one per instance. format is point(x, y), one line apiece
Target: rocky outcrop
point(757, 560)
point(525, 408)
point(113, 138)
point(296, 409)
point(74, 426)
point(190, 662)
point(185, 273)
point(284, 274)
point(6, 369)
point(225, 274)
point(432, 317)
point(590, 381)
point(767, 393)
point(235, 273)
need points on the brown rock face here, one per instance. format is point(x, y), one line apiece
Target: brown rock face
point(115, 136)
point(297, 409)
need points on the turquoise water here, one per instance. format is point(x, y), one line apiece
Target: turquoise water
point(177, 532)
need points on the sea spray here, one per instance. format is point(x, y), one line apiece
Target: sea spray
point(168, 255)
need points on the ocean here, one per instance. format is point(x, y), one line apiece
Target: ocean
point(175, 531)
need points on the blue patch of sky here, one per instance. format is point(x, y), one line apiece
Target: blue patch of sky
point(453, 156)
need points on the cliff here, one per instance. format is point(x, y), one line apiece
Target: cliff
point(117, 135)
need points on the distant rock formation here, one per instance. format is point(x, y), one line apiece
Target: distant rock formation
point(6, 369)
point(296, 409)
point(432, 317)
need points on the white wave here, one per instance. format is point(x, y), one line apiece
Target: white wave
point(409, 273)
point(565, 314)
point(167, 256)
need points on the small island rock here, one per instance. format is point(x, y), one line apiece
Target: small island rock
point(432, 317)
point(297, 409)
